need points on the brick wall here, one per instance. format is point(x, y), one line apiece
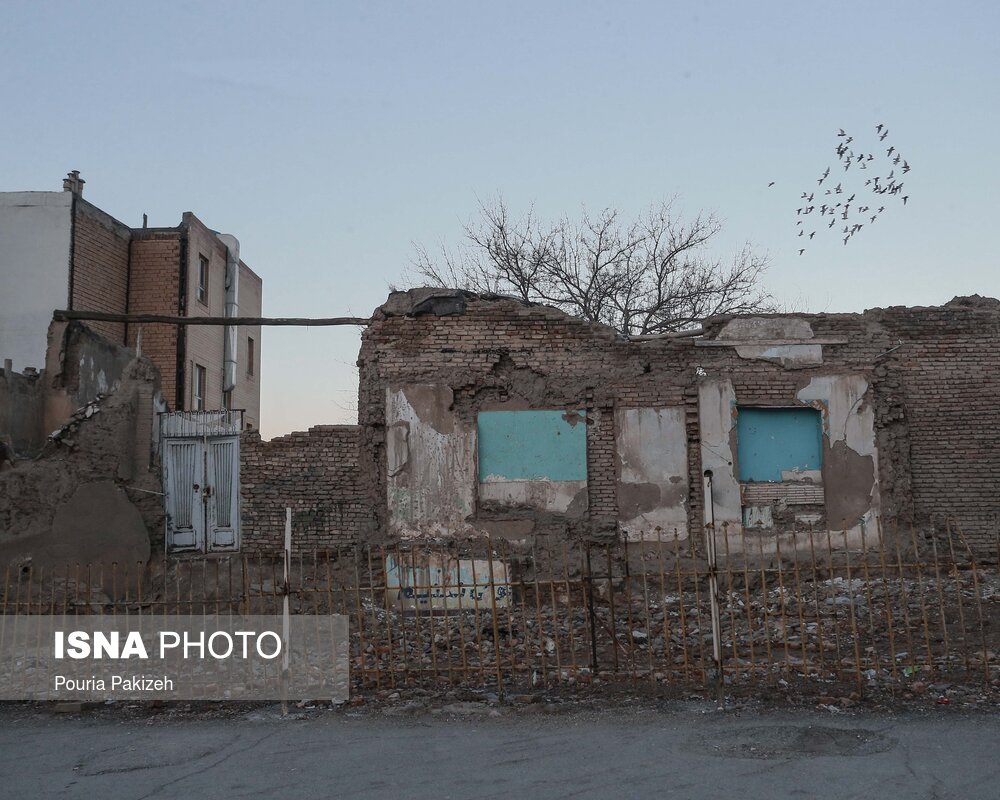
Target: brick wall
point(100, 266)
point(154, 289)
point(947, 370)
point(934, 378)
point(314, 472)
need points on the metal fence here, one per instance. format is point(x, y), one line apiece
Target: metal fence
point(897, 609)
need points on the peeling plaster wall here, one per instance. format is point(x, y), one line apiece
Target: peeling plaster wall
point(717, 413)
point(909, 398)
point(431, 462)
point(653, 472)
point(850, 462)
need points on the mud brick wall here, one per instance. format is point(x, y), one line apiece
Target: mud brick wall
point(100, 266)
point(315, 473)
point(108, 440)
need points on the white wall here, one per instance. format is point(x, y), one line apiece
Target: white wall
point(35, 231)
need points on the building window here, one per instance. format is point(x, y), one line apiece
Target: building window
point(251, 355)
point(198, 390)
point(780, 453)
point(779, 444)
point(202, 293)
point(533, 458)
point(227, 400)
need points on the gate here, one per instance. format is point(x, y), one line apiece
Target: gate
point(200, 456)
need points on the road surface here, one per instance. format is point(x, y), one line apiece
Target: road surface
point(472, 751)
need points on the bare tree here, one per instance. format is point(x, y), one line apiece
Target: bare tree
point(644, 277)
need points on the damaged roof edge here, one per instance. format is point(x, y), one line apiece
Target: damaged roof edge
point(444, 301)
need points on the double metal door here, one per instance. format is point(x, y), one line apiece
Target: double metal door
point(201, 479)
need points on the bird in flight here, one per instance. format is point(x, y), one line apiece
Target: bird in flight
point(802, 251)
point(855, 209)
point(770, 184)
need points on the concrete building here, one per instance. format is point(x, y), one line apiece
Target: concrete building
point(57, 250)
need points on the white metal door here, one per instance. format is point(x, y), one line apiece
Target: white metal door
point(222, 476)
point(201, 484)
point(183, 468)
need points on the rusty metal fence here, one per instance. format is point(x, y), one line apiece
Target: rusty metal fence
point(808, 609)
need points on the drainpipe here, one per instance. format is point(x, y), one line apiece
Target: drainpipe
point(232, 309)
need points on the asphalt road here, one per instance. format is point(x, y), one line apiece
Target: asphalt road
point(688, 752)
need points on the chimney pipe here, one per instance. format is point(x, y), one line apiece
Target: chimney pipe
point(73, 183)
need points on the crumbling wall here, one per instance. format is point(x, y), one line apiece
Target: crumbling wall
point(906, 398)
point(313, 472)
point(495, 354)
point(22, 412)
point(80, 365)
point(940, 384)
point(92, 495)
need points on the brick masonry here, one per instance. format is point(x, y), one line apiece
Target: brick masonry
point(315, 473)
point(155, 289)
point(100, 266)
point(933, 375)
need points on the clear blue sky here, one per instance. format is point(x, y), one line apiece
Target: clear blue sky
point(330, 136)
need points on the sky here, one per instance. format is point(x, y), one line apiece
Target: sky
point(329, 137)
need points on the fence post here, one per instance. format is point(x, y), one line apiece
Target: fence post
point(496, 627)
point(713, 579)
point(589, 583)
point(285, 618)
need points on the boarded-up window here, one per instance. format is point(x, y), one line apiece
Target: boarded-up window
point(532, 445)
point(774, 443)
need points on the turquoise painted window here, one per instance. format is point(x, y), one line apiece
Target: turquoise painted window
point(774, 440)
point(532, 446)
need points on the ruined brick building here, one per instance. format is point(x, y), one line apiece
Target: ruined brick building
point(485, 415)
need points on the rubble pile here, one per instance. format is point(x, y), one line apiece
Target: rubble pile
point(911, 632)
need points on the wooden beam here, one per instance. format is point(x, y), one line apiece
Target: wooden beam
point(101, 316)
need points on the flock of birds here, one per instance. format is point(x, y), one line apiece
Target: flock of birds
point(859, 198)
